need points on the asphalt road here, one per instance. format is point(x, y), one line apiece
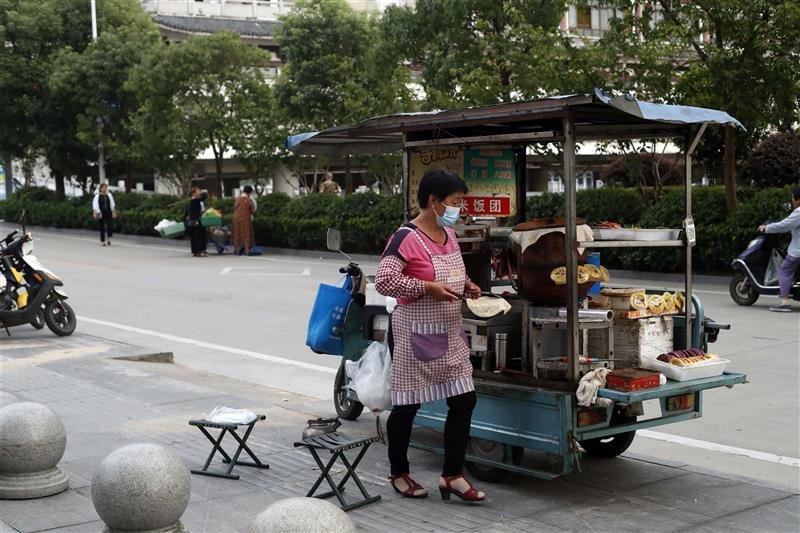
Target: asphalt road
point(245, 318)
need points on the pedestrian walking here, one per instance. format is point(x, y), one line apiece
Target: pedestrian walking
point(196, 231)
point(105, 211)
point(790, 265)
point(243, 211)
point(422, 267)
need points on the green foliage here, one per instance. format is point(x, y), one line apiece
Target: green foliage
point(335, 71)
point(775, 162)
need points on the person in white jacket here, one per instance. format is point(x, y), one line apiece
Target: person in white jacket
point(790, 265)
point(105, 211)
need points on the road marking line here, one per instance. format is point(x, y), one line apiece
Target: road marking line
point(715, 447)
point(210, 346)
point(229, 271)
point(225, 271)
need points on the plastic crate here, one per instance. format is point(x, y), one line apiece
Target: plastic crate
point(210, 221)
point(173, 231)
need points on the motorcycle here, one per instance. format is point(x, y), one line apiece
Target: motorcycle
point(29, 292)
point(366, 319)
point(750, 271)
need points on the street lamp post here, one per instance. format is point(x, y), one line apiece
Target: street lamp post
point(101, 158)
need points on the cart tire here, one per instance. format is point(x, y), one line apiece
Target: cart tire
point(495, 451)
point(345, 408)
point(615, 444)
point(742, 291)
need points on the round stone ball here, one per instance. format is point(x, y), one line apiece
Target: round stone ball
point(32, 438)
point(141, 487)
point(6, 398)
point(302, 515)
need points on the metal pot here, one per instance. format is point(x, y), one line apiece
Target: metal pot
point(321, 426)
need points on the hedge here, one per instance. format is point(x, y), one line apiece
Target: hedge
point(366, 220)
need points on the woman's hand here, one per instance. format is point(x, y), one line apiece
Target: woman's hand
point(762, 228)
point(439, 291)
point(471, 290)
point(114, 213)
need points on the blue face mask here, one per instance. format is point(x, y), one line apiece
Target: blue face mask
point(449, 217)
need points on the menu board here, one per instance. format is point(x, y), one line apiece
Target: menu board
point(490, 174)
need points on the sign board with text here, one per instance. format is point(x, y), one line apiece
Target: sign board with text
point(490, 175)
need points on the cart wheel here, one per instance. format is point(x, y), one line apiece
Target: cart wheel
point(493, 451)
point(615, 444)
point(742, 292)
point(345, 408)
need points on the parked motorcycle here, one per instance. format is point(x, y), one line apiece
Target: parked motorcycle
point(750, 271)
point(29, 292)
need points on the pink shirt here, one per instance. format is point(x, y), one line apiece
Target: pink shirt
point(406, 265)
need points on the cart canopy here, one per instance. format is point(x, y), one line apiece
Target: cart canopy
point(596, 116)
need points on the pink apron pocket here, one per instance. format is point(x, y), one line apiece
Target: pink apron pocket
point(429, 340)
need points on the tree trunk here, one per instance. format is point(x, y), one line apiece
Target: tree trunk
point(218, 184)
point(730, 167)
point(128, 176)
point(9, 176)
point(348, 176)
point(59, 177)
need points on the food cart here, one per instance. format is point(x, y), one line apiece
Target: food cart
point(527, 397)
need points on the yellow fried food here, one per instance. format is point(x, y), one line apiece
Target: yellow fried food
point(583, 275)
point(678, 296)
point(638, 301)
point(604, 274)
point(655, 303)
point(669, 302)
point(559, 275)
point(593, 271)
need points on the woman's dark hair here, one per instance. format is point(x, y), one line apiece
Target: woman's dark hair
point(440, 183)
point(248, 189)
point(796, 193)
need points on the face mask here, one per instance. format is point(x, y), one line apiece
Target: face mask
point(449, 217)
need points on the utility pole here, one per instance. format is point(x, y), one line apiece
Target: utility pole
point(101, 157)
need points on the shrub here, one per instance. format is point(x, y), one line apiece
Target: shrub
point(774, 162)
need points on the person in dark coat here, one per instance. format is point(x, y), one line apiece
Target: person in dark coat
point(196, 231)
point(105, 211)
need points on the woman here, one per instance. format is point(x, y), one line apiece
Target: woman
point(790, 265)
point(105, 211)
point(422, 267)
point(243, 210)
point(196, 231)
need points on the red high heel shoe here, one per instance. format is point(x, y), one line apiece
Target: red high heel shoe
point(471, 495)
point(413, 486)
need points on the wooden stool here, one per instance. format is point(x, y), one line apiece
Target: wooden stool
point(337, 444)
point(227, 428)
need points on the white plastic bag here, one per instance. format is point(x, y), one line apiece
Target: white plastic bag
point(771, 275)
point(228, 415)
point(369, 377)
point(164, 224)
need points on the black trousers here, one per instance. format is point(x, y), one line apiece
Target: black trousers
point(456, 434)
point(197, 236)
point(106, 225)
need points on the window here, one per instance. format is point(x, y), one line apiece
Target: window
point(583, 16)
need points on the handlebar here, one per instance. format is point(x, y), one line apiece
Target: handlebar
point(353, 269)
point(10, 237)
point(710, 324)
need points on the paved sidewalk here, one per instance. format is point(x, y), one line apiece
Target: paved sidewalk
point(106, 403)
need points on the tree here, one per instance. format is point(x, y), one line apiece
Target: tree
point(775, 162)
point(474, 52)
point(740, 56)
point(195, 95)
point(94, 81)
point(336, 71)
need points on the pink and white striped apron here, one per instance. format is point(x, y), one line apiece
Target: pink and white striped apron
point(431, 356)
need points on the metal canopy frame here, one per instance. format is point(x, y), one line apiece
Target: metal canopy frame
point(565, 119)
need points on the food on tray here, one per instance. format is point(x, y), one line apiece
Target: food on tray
point(606, 224)
point(655, 304)
point(689, 357)
point(678, 296)
point(586, 274)
point(638, 301)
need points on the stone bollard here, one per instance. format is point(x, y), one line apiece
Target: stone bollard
point(32, 442)
point(141, 487)
point(302, 515)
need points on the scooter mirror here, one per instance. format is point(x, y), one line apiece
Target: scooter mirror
point(334, 240)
